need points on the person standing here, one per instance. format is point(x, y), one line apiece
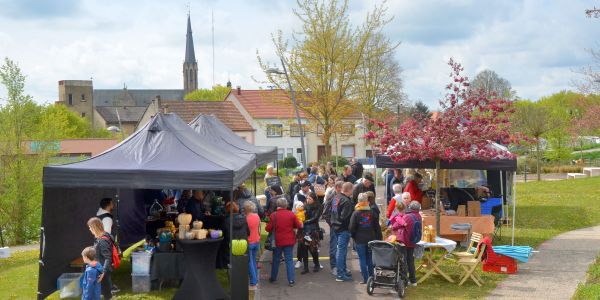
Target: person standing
point(412, 187)
point(357, 168)
point(364, 227)
point(365, 185)
point(398, 197)
point(253, 242)
point(283, 222)
point(403, 227)
point(104, 213)
point(309, 241)
point(103, 245)
point(183, 200)
point(90, 287)
point(396, 177)
point(341, 212)
point(330, 170)
point(347, 175)
point(327, 208)
point(300, 199)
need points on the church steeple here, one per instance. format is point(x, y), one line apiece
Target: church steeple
point(190, 66)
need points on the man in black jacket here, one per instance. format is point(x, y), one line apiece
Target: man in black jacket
point(347, 174)
point(357, 168)
point(327, 217)
point(365, 185)
point(340, 221)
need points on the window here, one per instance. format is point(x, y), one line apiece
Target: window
point(280, 152)
point(274, 130)
point(347, 129)
point(290, 152)
point(83, 115)
point(82, 97)
point(295, 130)
point(70, 99)
point(348, 151)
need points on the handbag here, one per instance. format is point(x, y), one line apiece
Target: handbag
point(270, 241)
point(321, 234)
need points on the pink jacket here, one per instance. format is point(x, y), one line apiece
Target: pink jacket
point(402, 226)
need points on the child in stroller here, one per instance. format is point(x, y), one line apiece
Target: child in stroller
point(389, 263)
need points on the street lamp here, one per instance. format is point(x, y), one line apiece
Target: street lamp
point(293, 95)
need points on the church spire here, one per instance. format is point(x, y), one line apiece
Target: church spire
point(190, 56)
point(190, 66)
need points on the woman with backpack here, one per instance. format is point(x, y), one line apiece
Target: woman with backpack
point(104, 254)
point(407, 227)
point(364, 227)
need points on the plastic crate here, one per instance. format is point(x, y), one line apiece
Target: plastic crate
point(140, 263)
point(68, 285)
point(140, 283)
point(504, 265)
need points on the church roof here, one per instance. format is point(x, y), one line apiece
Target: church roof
point(190, 56)
point(225, 111)
point(127, 97)
point(127, 114)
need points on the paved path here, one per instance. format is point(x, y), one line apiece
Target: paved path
point(556, 270)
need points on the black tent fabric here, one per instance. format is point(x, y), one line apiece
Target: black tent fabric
point(500, 164)
point(165, 153)
point(213, 130)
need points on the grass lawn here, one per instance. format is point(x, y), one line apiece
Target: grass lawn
point(544, 210)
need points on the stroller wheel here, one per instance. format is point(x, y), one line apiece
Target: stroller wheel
point(400, 288)
point(370, 285)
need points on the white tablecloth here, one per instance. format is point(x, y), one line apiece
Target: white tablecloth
point(447, 244)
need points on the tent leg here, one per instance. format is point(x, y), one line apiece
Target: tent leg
point(118, 227)
point(254, 182)
point(514, 208)
point(503, 193)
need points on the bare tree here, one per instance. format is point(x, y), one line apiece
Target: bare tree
point(492, 84)
point(590, 83)
point(594, 12)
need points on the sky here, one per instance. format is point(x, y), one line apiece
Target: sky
point(535, 45)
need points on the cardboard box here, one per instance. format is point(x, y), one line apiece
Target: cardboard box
point(474, 209)
point(426, 203)
point(461, 211)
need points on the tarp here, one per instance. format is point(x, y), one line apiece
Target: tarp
point(212, 130)
point(500, 164)
point(165, 153)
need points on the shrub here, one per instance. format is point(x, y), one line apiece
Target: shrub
point(341, 161)
point(290, 162)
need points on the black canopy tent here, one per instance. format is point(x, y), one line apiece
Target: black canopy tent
point(501, 172)
point(165, 153)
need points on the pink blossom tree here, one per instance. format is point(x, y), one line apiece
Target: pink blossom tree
point(469, 120)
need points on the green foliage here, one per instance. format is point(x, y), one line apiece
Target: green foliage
point(289, 162)
point(217, 93)
point(338, 161)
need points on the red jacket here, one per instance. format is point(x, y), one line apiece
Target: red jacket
point(285, 223)
point(415, 193)
point(392, 205)
point(402, 226)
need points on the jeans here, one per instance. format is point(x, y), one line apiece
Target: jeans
point(343, 238)
point(332, 247)
point(252, 268)
point(288, 253)
point(410, 261)
point(365, 260)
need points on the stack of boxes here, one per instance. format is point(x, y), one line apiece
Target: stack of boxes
point(140, 272)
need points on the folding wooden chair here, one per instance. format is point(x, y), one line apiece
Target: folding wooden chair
point(471, 247)
point(469, 265)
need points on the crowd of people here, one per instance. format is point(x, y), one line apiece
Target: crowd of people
point(345, 202)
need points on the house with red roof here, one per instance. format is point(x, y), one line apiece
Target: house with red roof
point(272, 116)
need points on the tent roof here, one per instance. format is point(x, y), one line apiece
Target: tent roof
point(212, 129)
point(164, 153)
point(502, 164)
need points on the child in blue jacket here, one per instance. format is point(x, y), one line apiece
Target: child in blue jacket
point(90, 281)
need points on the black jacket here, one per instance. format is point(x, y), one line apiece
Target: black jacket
point(357, 170)
point(351, 178)
point(292, 189)
point(313, 214)
point(245, 195)
point(341, 211)
point(103, 249)
point(241, 231)
point(364, 226)
point(360, 188)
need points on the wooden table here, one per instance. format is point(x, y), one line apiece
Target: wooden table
point(430, 263)
point(483, 224)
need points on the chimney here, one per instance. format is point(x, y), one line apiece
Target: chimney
point(166, 109)
point(239, 90)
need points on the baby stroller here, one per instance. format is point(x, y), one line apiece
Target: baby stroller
point(389, 267)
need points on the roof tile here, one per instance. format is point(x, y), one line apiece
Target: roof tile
point(224, 110)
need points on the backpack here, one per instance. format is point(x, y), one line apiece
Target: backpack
point(417, 232)
point(116, 260)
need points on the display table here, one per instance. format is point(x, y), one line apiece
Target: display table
point(200, 280)
point(167, 266)
point(483, 224)
point(430, 263)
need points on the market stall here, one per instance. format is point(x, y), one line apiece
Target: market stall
point(165, 153)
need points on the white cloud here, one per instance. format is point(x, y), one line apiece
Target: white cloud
point(534, 44)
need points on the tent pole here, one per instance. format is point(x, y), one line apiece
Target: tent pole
point(254, 181)
point(117, 200)
point(514, 196)
point(230, 238)
point(503, 193)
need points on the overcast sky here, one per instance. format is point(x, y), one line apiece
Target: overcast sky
point(533, 44)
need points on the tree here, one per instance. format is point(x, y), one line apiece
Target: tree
point(593, 12)
point(463, 129)
point(20, 172)
point(492, 84)
point(419, 111)
point(378, 86)
point(217, 93)
point(533, 120)
point(590, 83)
point(324, 61)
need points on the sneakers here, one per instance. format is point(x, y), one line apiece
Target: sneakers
point(320, 266)
point(316, 269)
point(413, 284)
point(343, 278)
point(298, 264)
point(304, 271)
point(308, 238)
point(334, 271)
point(291, 283)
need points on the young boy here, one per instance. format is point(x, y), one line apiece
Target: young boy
point(90, 284)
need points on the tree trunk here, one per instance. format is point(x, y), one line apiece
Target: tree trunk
point(437, 196)
point(537, 162)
